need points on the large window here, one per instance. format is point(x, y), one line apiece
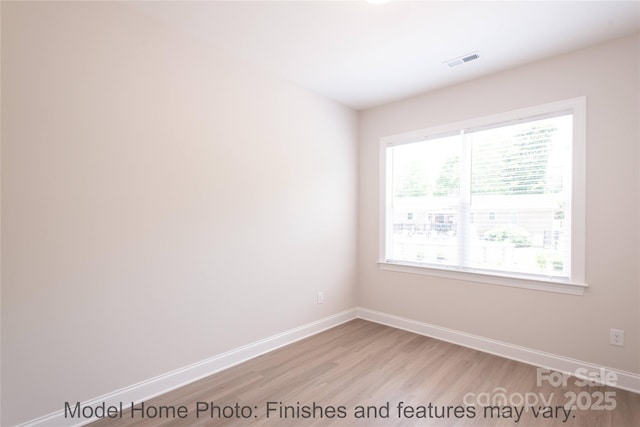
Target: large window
point(490, 199)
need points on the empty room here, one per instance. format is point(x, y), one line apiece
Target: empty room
point(320, 213)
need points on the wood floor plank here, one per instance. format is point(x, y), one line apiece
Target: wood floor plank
point(397, 377)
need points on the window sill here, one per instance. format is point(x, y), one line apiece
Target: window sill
point(538, 284)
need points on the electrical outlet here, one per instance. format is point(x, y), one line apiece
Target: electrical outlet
point(616, 337)
point(320, 297)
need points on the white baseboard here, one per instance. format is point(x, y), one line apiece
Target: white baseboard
point(164, 383)
point(625, 380)
point(153, 387)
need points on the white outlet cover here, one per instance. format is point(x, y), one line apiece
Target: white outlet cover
point(616, 337)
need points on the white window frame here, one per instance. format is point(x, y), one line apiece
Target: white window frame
point(576, 284)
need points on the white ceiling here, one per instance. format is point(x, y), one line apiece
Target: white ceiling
point(362, 54)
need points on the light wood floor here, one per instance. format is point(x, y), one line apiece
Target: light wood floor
point(365, 364)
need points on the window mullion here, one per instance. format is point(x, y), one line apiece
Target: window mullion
point(464, 234)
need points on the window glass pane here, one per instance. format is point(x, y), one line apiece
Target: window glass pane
point(425, 181)
point(520, 182)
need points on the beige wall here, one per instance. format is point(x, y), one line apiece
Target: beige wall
point(571, 326)
point(161, 203)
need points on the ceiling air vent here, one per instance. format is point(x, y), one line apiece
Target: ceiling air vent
point(462, 59)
